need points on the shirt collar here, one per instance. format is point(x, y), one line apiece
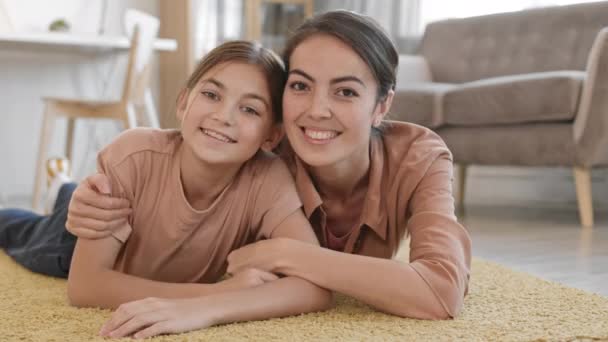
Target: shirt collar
point(374, 212)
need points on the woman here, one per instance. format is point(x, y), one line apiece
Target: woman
point(365, 184)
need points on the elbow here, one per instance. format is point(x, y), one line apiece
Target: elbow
point(79, 291)
point(324, 300)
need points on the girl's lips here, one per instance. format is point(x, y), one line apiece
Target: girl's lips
point(217, 135)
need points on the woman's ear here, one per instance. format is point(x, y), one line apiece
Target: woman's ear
point(182, 104)
point(274, 137)
point(382, 108)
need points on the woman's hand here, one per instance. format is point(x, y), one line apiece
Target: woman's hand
point(266, 255)
point(155, 316)
point(93, 214)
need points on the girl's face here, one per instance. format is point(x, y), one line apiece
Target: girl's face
point(330, 102)
point(227, 116)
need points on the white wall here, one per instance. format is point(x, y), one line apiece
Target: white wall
point(27, 76)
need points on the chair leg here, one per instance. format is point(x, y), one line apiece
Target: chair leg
point(462, 182)
point(582, 179)
point(151, 114)
point(45, 138)
point(131, 116)
point(69, 143)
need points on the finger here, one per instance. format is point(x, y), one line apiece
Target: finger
point(87, 195)
point(137, 323)
point(100, 183)
point(124, 313)
point(93, 224)
point(99, 213)
point(90, 234)
point(267, 276)
point(155, 329)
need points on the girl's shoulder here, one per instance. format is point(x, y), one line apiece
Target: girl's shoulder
point(139, 140)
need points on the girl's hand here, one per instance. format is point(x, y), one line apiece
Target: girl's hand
point(93, 214)
point(154, 316)
point(265, 255)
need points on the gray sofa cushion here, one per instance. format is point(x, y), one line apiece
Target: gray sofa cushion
point(419, 103)
point(536, 97)
point(539, 144)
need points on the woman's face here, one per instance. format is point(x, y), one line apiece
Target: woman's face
point(330, 102)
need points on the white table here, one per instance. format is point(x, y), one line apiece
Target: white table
point(65, 41)
point(33, 65)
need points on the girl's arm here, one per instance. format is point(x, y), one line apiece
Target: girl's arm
point(431, 286)
point(93, 283)
point(284, 297)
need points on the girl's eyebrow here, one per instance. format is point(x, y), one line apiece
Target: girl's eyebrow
point(333, 81)
point(248, 95)
point(215, 82)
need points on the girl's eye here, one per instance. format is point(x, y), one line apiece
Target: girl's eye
point(250, 110)
point(298, 86)
point(210, 95)
point(347, 93)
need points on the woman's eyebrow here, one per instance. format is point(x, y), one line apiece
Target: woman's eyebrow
point(346, 79)
point(333, 81)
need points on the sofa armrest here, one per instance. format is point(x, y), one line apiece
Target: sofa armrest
point(412, 69)
point(591, 123)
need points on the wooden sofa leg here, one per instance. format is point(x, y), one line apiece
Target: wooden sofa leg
point(582, 179)
point(462, 182)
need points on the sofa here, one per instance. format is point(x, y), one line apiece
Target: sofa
point(527, 88)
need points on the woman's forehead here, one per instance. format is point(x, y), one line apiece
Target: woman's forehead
point(326, 55)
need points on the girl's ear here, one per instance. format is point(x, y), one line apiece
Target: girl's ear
point(382, 108)
point(182, 104)
point(274, 137)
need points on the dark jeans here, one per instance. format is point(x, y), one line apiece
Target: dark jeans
point(40, 243)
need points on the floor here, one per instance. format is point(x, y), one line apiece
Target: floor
point(548, 243)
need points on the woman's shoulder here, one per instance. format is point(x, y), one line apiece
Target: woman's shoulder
point(409, 142)
point(139, 140)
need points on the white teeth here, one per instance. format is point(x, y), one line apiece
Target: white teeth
point(320, 135)
point(217, 136)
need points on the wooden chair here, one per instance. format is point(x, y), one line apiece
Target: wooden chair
point(136, 96)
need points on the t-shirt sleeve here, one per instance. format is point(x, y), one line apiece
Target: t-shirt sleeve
point(276, 200)
point(120, 172)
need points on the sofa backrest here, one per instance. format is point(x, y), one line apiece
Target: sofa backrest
point(543, 39)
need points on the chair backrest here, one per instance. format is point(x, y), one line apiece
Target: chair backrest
point(142, 29)
point(535, 40)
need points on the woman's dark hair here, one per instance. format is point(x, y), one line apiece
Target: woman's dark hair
point(363, 34)
point(252, 53)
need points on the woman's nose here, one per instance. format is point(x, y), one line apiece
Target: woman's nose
point(319, 108)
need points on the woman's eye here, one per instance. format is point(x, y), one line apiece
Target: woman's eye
point(347, 93)
point(210, 95)
point(298, 86)
point(250, 110)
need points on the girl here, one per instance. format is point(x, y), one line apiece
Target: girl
point(196, 195)
point(366, 184)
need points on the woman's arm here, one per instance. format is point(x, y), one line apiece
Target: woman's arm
point(431, 286)
point(93, 283)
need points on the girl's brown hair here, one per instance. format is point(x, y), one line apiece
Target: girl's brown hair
point(252, 53)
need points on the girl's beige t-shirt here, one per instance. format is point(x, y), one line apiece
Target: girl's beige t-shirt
point(165, 238)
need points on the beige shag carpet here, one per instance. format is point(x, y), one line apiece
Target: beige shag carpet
point(503, 305)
